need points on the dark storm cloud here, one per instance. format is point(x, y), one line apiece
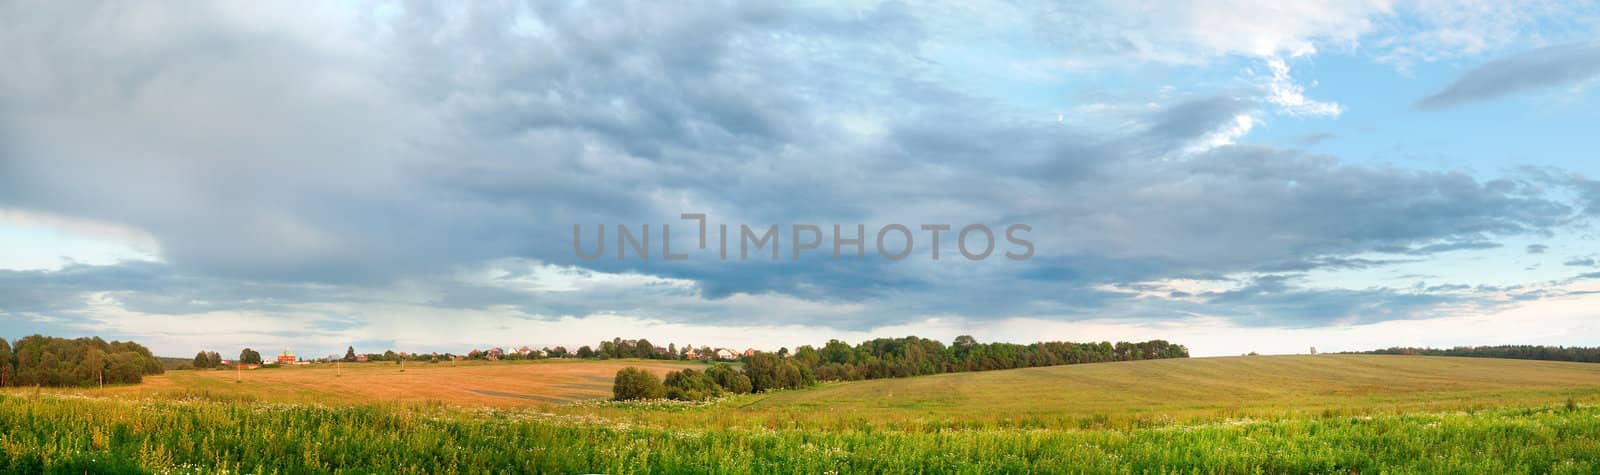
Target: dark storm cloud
point(1547, 67)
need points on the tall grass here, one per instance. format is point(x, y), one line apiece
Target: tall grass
point(46, 433)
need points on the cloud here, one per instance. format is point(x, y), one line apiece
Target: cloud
point(1541, 68)
point(1284, 93)
point(1536, 248)
point(373, 173)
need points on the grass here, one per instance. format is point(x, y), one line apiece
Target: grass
point(1322, 414)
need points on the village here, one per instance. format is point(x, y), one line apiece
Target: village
point(617, 348)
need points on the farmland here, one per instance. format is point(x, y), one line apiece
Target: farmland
point(1214, 415)
point(475, 383)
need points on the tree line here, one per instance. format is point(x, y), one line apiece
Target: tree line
point(39, 360)
point(1520, 352)
point(879, 358)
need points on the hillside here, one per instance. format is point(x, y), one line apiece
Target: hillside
point(1135, 393)
point(1196, 389)
point(1283, 414)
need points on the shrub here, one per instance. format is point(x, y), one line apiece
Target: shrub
point(636, 383)
point(691, 385)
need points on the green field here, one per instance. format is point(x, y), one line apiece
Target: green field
point(1290, 414)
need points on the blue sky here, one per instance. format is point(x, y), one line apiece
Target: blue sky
point(1235, 176)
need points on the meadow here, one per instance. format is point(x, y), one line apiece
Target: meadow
point(1288, 414)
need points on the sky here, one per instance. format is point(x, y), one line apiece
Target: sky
point(1233, 176)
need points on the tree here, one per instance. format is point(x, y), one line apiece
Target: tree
point(350, 353)
point(585, 352)
point(807, 356)
point(691, 385)
point(47, 361)
point(249, 356)
point(635, 383)
point(7, 365)
point(729, 379)
point(768, 372)
point(215, 359)
point(94, 365)
point(202, 360)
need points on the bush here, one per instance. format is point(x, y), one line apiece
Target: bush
point(635, 383)
point(691, 385)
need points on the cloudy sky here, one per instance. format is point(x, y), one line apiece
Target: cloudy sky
point(1234, 176)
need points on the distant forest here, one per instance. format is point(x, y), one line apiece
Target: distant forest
point(49, 361)
point(1520, 352)
point(871, 359)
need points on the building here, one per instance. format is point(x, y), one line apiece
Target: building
point(690, 355)
point(286, 357)
point(749, 351)
point(727, 354)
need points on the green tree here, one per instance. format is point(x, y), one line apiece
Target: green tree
point(691, 385)
point(94, 365)
point(585, 352)
point(7, 364)
point(729, 378)
point(202, 360)
point(48, 361)
point(249, 356)
point(636, 383)
point(350, 353)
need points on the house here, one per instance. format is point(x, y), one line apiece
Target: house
point(690, 355)
point(661, 350)
point(749, 351)
point(361, 358)
point(524, 351)
point(286, 357)
point(495, 353)
point(726, 354)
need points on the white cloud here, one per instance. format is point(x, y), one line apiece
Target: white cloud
point(1291, 98)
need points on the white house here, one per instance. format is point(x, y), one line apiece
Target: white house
point(727, 354)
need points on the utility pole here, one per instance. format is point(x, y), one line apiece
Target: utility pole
point(238, 373)
point(339, 366)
